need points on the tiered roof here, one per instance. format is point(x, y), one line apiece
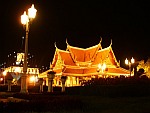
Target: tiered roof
point(75, 61)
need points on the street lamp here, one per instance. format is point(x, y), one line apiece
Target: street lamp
point(127, 62)
point(4, 73)
point(25, 20)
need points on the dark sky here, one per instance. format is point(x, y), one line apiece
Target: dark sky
point(81, 22)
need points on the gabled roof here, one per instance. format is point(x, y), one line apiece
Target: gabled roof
point(107, 56)
point(84, 62)
point(83, 54)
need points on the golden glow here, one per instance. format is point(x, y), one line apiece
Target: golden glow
point(132, 60)
point(4, 73)
point(1, 79)
point(101, 67)
point(126, 61)
point(24, 18)
point(20, 57)
point(17, 69)
point(32, 79)
point(32, 12)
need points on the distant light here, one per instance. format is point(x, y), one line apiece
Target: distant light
point(17, 63)
point(4, 73)
point(1, 79)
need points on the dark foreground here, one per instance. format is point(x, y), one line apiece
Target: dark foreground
point(109, 97)
point(77, 104)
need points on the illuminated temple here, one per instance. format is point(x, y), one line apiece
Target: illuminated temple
point(83, 64)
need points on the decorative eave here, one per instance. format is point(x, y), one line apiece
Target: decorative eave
point(110, 47)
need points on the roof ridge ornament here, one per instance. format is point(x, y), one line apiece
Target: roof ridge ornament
point(67, 44)
point(55, 44)
point(111, 43)
point(51, 67)
point(100, 39)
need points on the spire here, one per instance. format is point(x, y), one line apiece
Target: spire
point(55, 44)
point(51, 68)
point(67, 44)
point(100, 39)
point(111, 43)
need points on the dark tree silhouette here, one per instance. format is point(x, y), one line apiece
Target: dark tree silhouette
point(140, 72)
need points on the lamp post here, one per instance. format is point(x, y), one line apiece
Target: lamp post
point(25, 20)
point(4, 73)
point(127, 62)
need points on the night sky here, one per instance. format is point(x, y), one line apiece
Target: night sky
point(82, 23)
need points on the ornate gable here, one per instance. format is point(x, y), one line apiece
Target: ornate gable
point(83, 55)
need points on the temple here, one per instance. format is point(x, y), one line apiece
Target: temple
point(83, 64)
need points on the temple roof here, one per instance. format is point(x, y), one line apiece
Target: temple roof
point(75, 61)
point(83, 55)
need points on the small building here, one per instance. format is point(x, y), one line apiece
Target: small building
point(16, 70)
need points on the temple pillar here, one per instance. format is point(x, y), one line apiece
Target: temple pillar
point(77, 81)
point(50, 76)
point(71, 81)
point(63, 80)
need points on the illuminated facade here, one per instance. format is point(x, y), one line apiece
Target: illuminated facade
point(17, 70)
point(80, 64)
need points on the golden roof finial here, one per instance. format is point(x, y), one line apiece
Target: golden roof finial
point(100, 39)
point(111, 43)
point(55, 44)
point(67, 42)
point(51, 68)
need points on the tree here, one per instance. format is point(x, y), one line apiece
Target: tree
point(140, 72)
